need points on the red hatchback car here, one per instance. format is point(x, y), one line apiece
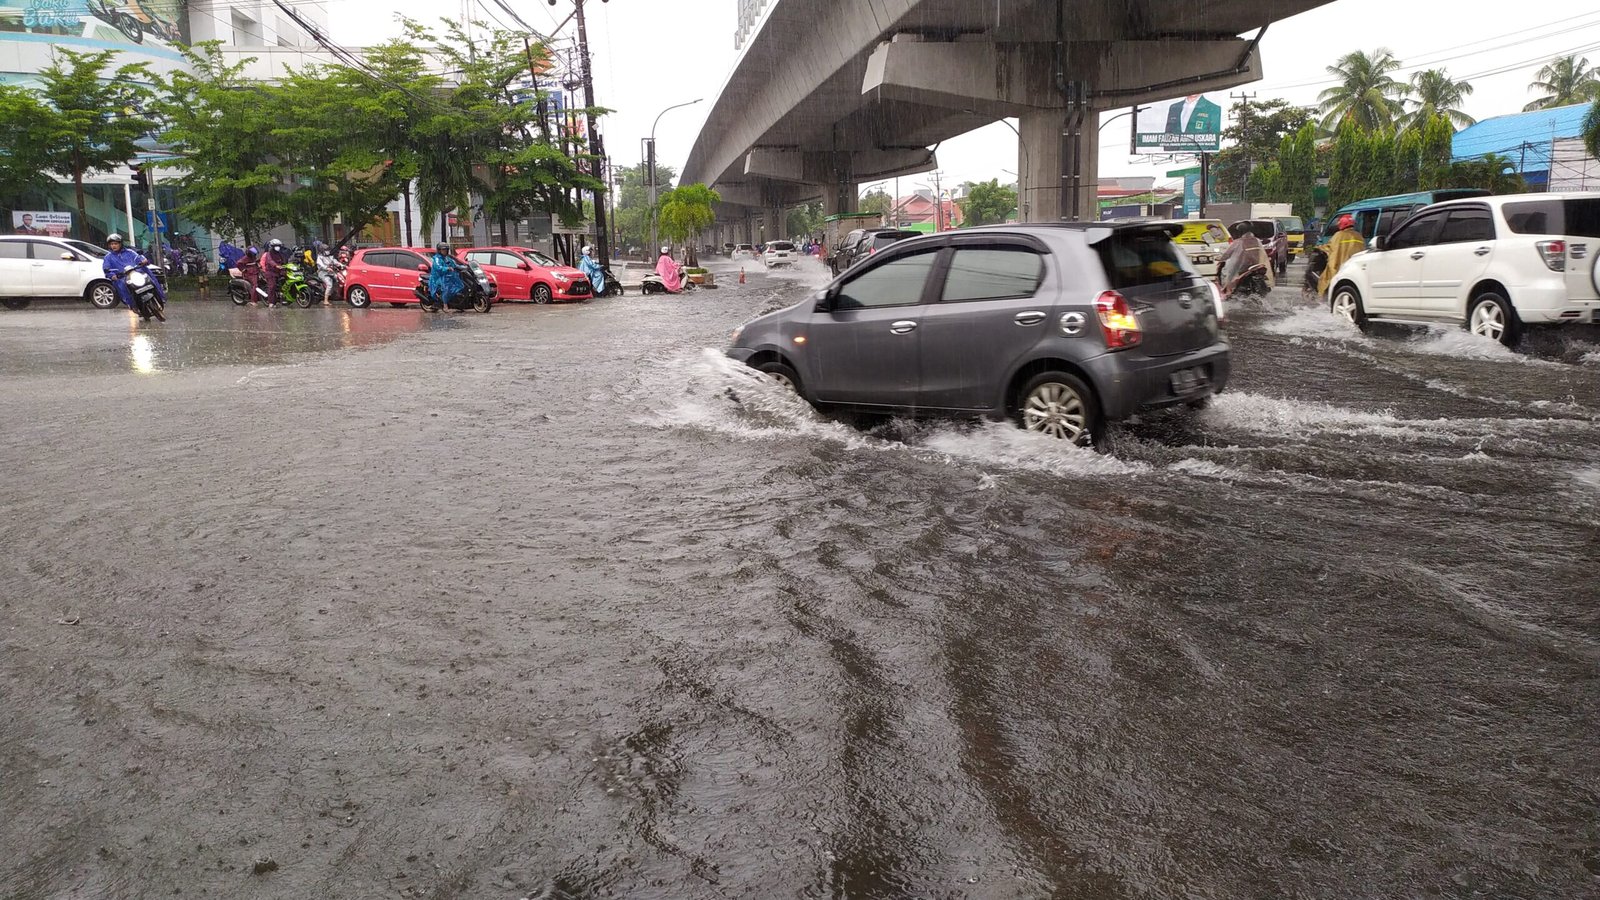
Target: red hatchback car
point(383, 275)
point(526, 274)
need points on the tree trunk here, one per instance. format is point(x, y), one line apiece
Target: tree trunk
point(83, 203)
point(406, 194)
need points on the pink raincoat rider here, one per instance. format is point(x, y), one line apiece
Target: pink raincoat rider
point(667, 268)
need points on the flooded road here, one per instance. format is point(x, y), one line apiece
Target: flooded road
point(556, 602)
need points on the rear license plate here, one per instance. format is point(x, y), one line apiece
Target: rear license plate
point(1189, 381)
point(1203, 260)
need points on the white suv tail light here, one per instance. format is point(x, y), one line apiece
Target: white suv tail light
point(1555, 255)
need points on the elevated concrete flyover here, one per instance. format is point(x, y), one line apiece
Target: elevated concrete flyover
point(831, 94)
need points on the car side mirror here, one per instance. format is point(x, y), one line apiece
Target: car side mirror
point(822, 301)
point(422, 267)
point(1376, 243)
point(69, 257)
point(524, 267)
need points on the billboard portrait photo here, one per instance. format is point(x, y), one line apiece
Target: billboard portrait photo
point(1191, 124)
point(53, 224)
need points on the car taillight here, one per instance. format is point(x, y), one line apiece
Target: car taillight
point(1555, 255)
point(1117, 321)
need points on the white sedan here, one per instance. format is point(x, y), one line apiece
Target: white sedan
point(47, 267)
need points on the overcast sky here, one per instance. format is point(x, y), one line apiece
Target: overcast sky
point(650, 54)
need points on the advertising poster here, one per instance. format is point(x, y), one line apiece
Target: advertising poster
point(1191, 124)
point(54, 224)
point(160, 23)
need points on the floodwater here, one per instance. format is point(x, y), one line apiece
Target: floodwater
point(556, 602)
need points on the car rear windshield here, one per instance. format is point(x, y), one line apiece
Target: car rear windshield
point(1572, 218)
point(1137, 257)
point(885, 238)
point(780, 245)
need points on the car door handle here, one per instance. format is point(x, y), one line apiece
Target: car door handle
point(904, 326)
point(1031, 317)
point(1481, 251)
point(1418, 255)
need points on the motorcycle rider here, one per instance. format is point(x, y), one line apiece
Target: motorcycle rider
point(1345, 243)
point(670, 273)
point(119, 259)
point(444, 275)
point(327, 269)
point(1242, 255)
point(592, 270)
point(273, 263)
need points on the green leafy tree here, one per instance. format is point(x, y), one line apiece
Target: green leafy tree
point(686, 211)
point(633, 210)
point(1564, 81)
point(24, 123)
point(1380, 166)
point(1493, 172)
point(1435, 94)
point(1367, 92)
point(1433, 165)
point(805, 219)
point(1591, 129)
point(1297, 160)
point(1257, 136)
point(877, 201)
point(1346, 171)
point(988, 203)
point(94, 117)
point(1408, 161)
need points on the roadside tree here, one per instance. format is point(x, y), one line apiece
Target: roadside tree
point(93, 116)
point(988, 203)
point(1367, 93)
point(686, 211)
point(1564, 81)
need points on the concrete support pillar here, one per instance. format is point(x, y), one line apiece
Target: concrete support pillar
point(749, 229)
point(841, 198)
point(779, 218)
point(1041, 157)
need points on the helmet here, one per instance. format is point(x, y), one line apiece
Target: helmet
point(1347, 221)
point(442, 248)
point(113, 238)
point(318, 246)
point(588, 250)
point(274, 245)
point(666, 251)
point(253, 251)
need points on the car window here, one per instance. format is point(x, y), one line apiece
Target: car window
point(482, 257)
point(377, 258)
point(990, 273)
point(1579, 217)
point(1418, 232)
point(13, 249)
point(1137, 257)
point(1466, 224)
point(895, 283)
point(88, 249)
point(780, 245)
point(405, 260)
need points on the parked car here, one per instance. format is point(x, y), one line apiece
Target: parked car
point(779, 253)
point(850, 249)
point(875, 240)
point(727, 249)
point(383, 275)
point(1491, 264)
point(1059, 327)
point(1204, 240)
point(523, 273)
point(37, 267)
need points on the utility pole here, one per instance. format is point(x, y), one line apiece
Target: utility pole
point(938, 202)
point(596, 148)
point(1244, 128)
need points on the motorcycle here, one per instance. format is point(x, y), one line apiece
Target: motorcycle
point(1316, 264)
point(652, 284)
point(297, 289)
point(613, 285)
point(240, 289)
point(194, 262)
point(477, 292)
point(146, 299)
point(1252, 282)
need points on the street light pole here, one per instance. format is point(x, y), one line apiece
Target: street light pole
point(650, 163)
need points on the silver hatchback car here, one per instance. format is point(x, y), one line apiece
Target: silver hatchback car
point(1060, 328)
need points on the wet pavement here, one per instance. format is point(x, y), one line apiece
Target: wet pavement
point(556, 602)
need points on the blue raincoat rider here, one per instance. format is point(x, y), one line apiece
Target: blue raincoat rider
point(592, 270)
point(444, 276)
point(120, 258)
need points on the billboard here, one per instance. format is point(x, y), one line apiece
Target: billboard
point(54, 224)
point(159, 23)
point(1191, 124)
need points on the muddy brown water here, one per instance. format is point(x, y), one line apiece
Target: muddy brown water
point(555, 602)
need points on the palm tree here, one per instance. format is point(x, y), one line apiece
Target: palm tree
point(1437, 94)
point(1565, 81)
point(1366, 94)
point(1591, 129)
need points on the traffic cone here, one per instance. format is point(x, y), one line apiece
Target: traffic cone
point(741, 274)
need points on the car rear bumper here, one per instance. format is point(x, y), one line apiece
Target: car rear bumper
point(1128, 383)
point(1545, 304)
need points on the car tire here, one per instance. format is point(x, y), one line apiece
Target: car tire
point(781, 373)
point(102, 295)
point(1345, 302)
point(15, 302)
point(400, 305)
point(358, 297)
point(1491, 315)
point(541, 294)
point(1061, 406)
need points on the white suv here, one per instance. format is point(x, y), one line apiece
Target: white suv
point(35, 267)
point(1490, 264)
point(778, 253)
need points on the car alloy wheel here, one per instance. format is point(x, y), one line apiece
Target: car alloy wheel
point(781, 373)
point(1492, 317)
point(541, 293)
point(103, 295)
point(1346, 304)
point(1056, 408)
point(358, 297)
